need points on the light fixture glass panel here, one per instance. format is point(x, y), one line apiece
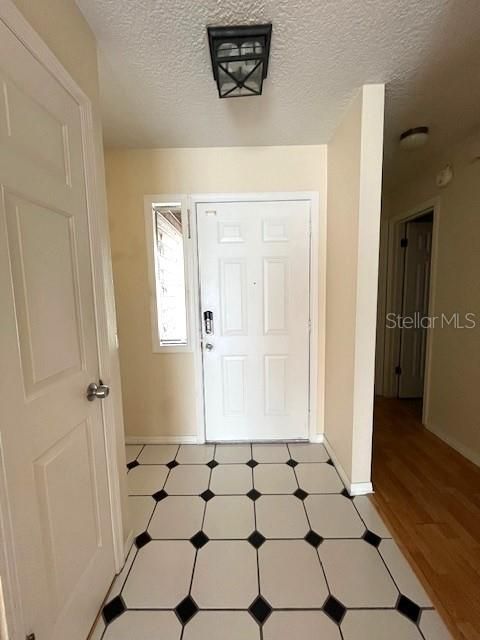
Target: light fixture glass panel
point(255, 79)
point(170, 275)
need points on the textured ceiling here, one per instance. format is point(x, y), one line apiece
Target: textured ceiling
point(158, 89)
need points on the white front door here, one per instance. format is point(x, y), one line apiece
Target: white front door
point(52, 443)
point(416, 287)
point(254, 262)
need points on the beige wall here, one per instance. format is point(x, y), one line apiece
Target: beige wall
point(64, 30)
point(159, 388)
point(453, 408)
point(353, 219)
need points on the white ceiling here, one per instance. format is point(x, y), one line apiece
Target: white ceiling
point(158, 89)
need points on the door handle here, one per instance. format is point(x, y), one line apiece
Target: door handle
point(99, 390)
point(208, 320)
point(209, 346)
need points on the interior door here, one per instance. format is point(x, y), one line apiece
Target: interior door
point(416, 285)
point(254, 262)
point(52, 438)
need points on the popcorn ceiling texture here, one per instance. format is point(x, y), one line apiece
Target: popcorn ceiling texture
point(158, 88)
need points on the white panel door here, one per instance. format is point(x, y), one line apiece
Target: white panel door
point(52, 438)
point(416, 286)
point(254, 262)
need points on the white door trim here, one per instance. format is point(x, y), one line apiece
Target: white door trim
point(393, 298)
point(317, 300)
point(103, 296)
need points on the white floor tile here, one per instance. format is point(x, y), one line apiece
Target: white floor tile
point(195, 453)
point(274, 478)
point(144, 625)
point(378, 625)
point(403, 575)
point(222, 625)
point(188, 479)
point(371, 517)
point(433, 627)
point(318, 478)
point(160, 576)
point(308, 452)
point(233, 453)
point(177, 517)
point(98, 630)
point(281, 517)
point(141, 509)
point(132, 451)
point(270, 452)
point(158, 453)
point(229, 517)
point(119, 581)
point(231, 478)
point(225, 575)
point(146, 480)
point(290, 574)
point(304, 625)
point(334, 516)
point(356, 574)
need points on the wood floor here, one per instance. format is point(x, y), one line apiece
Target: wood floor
point(430, 497)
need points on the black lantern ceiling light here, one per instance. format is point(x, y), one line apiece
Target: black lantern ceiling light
point(240, 58)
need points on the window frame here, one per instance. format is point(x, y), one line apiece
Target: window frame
point(150, 201)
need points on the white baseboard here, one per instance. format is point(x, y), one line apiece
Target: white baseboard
point(318, 438)
point(161, 440)
point(353, 488)
point(466, 452)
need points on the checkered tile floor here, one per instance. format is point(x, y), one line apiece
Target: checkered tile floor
point(260, 542)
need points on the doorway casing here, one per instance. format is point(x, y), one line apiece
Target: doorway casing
point(393, 262)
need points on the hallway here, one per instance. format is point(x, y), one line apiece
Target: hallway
point(430, 496)
point(257, 541)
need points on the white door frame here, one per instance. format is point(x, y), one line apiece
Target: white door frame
point(393, 297)
point(317, 300)
point(104, 313)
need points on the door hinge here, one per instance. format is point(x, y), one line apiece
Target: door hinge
point(189, 232)
point(398, 370)
point(404, 243)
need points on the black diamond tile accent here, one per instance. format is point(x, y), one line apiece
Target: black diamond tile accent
point(256, 539)
point(345, 493)
point(252, 463)
point(207, 495)
point(172, 464)
point(371, 538)
point(113, 609)
point(330, 462)
point(142, 539)
point(253, 494)
point(186, 609)
point(132, 465)
point(300, 494)
point(212, 464)
point(260, 609)
point(313, 538)
point(160, 495)
point(334, 609)
point(292, 463)
point(409, 608)
point(199, 540)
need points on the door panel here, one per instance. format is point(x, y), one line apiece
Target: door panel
point(254, 270)
point(52, 439)
point(416, 286)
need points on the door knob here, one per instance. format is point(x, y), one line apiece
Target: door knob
point(99, 390)
point(209, 346)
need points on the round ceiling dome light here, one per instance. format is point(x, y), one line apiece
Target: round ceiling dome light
point(414, 138)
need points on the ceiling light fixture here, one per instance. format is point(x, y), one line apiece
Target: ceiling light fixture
point(240, 58)
point(414, 138)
